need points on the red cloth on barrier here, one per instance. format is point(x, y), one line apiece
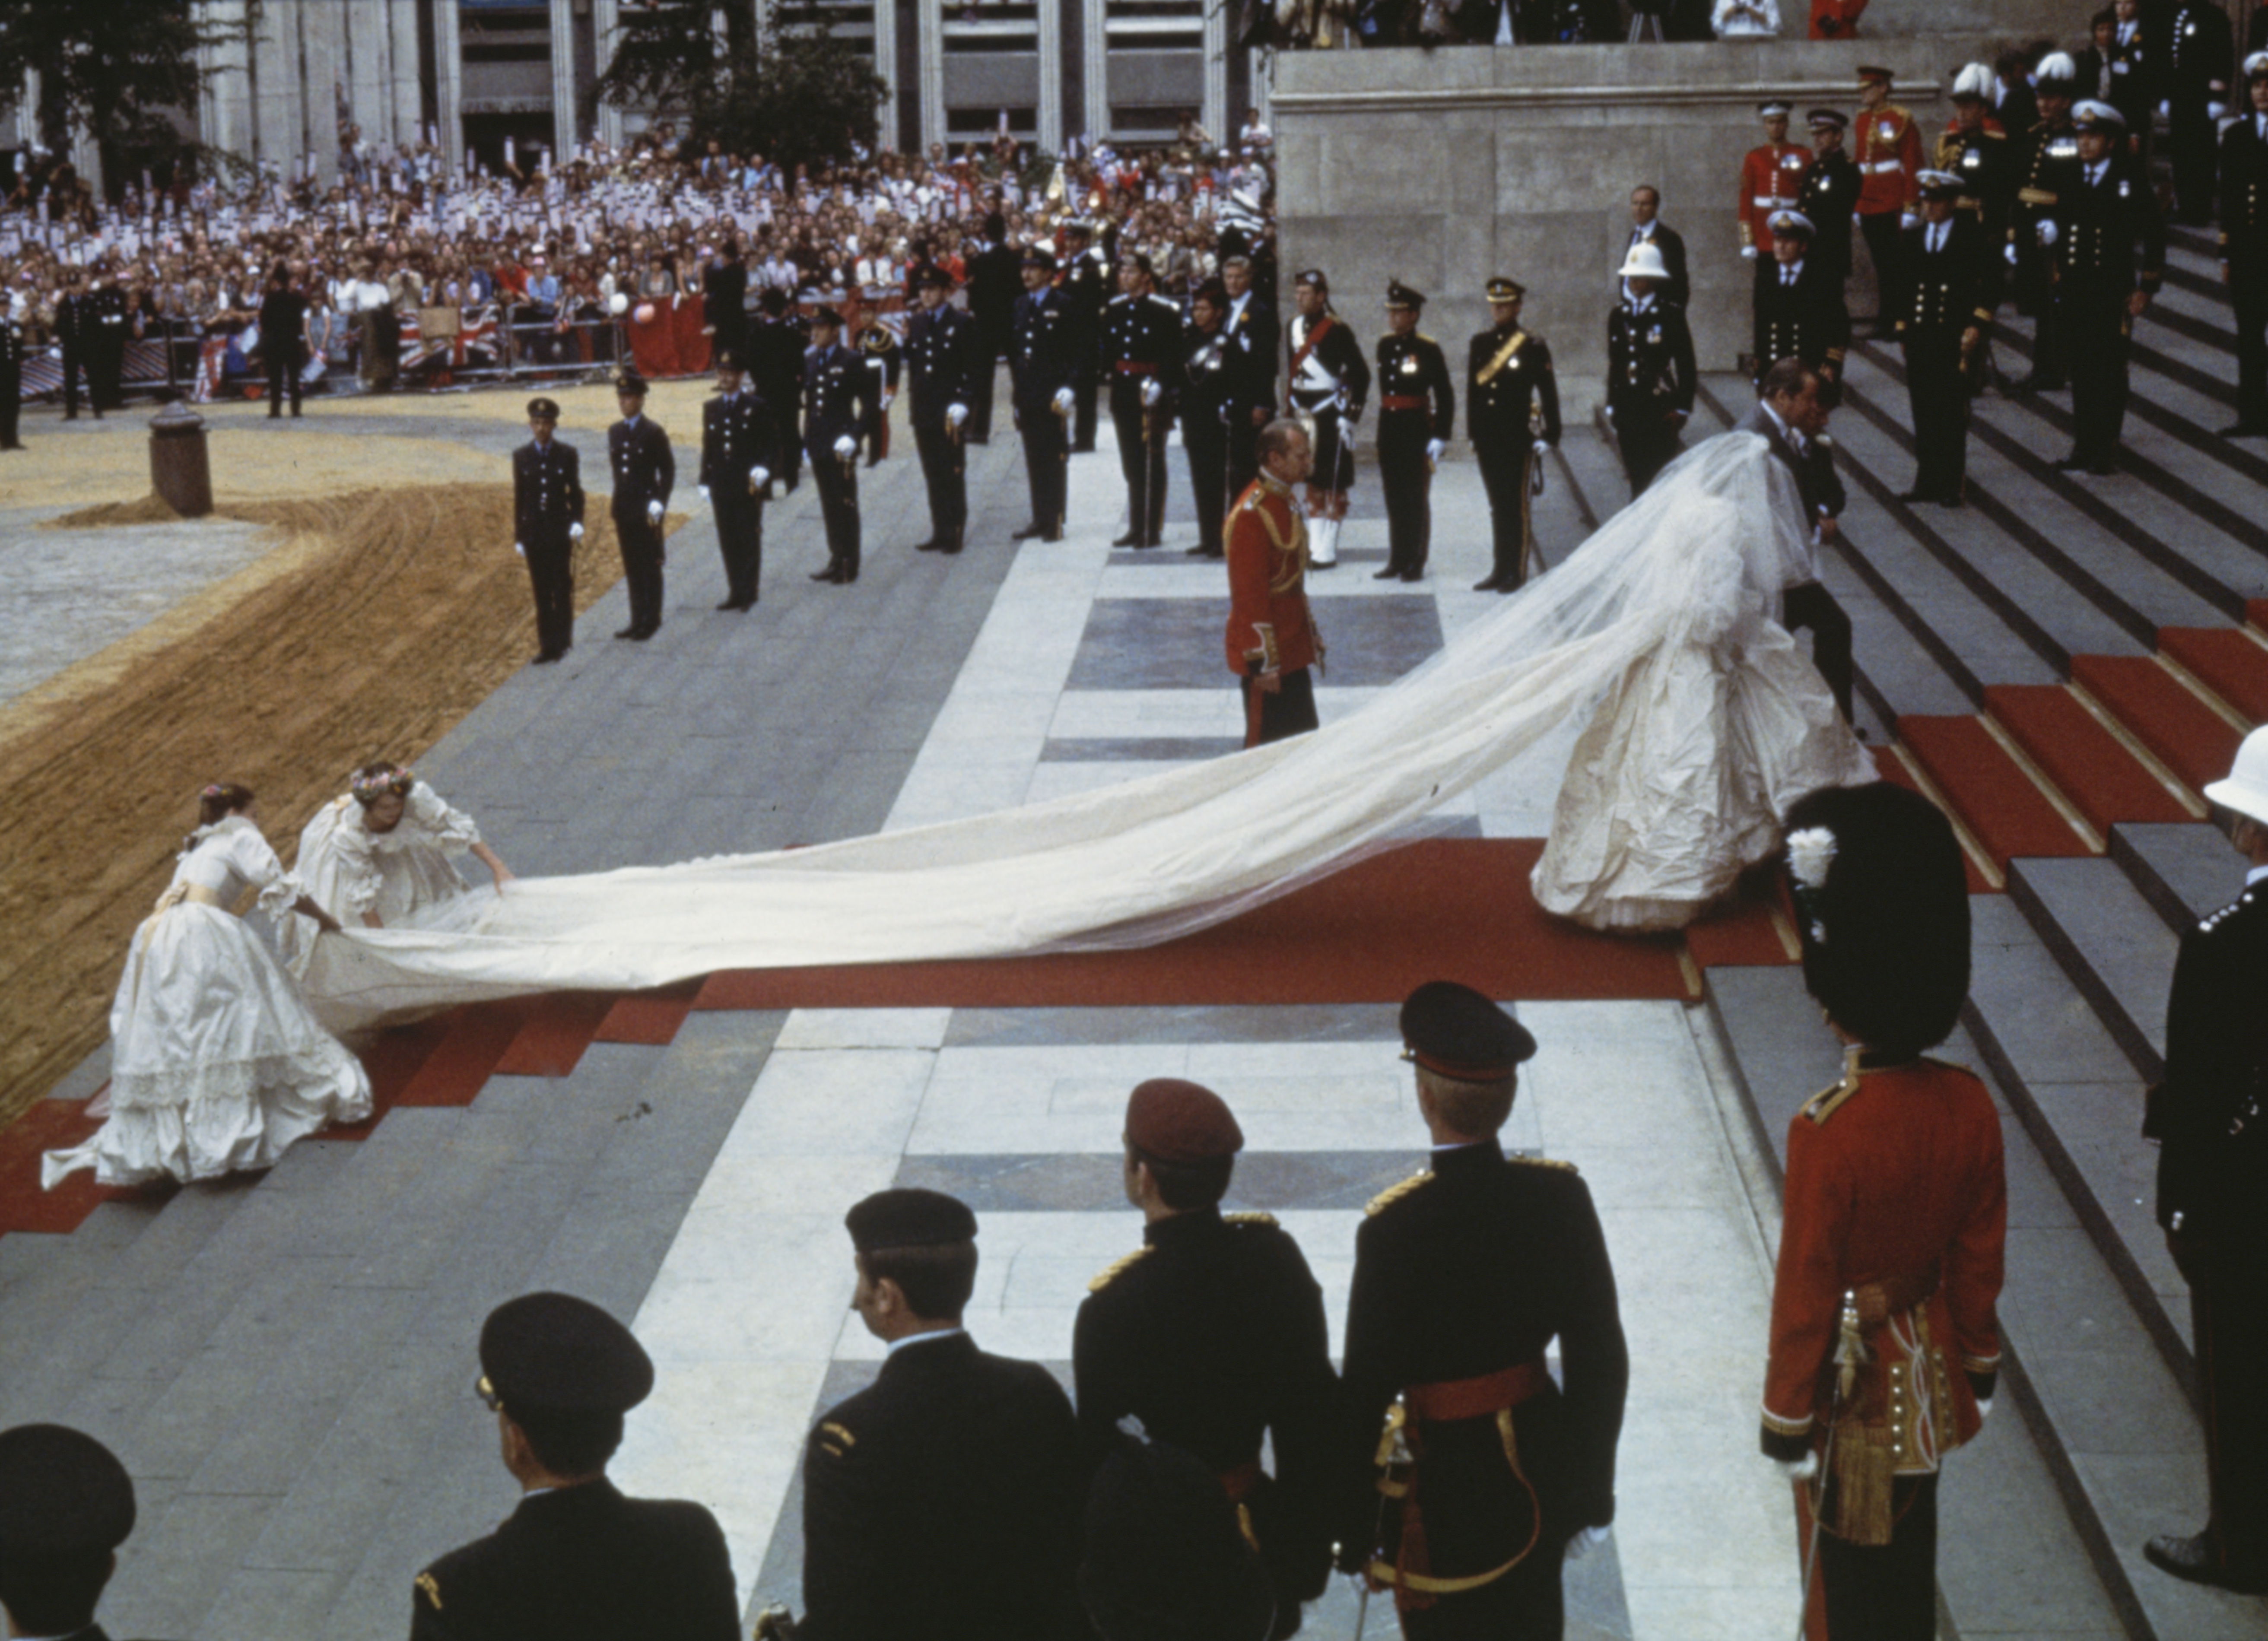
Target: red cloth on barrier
point(653, 345)
point(692, 345)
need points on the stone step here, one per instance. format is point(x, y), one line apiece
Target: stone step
point(2111, 941)
point(2186, 871)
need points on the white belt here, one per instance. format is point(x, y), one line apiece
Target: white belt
point(1766, 200)
point(1878, 167)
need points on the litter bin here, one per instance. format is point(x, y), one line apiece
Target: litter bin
point(180, 470)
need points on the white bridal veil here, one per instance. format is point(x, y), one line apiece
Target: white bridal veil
point(1705, 722)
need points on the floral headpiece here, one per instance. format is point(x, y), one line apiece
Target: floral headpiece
point(370, 788)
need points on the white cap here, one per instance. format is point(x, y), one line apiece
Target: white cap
point(1793, 223)
point(1975, 80)
point(2090, 112)
point(1643, 262)
point(2256, 63)
point(2246, 789)
point(2057, 65)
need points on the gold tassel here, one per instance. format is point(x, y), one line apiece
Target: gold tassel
point(1863, 1470)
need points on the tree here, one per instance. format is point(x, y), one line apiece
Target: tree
point(126, 70)
point(793, 93)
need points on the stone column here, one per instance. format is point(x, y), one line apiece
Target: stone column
point(1095, 117)
point(224, 112)
point(404, 78)
point(322, 63)
point(605, 19)
point(562, 81)
point(1051, 98)
point(448, 74)
point(929, 46)
point(277, 102)
point(886, 64)
point(1215, 114)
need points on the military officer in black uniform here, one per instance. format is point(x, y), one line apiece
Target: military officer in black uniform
point(1799, 304)
point(1827, 194)
point(1463, 1275)
point(1512, 415)
point(1212, 1335)
point(1212, 396)
point(945, 1498)
point(11, 379)
point(1044, 370)
point(1164, 1553)
point(1250, 326)
point(2209, 1114)
point(2244, 247)
point(1948, 286)
point(577, 1558)
point(945, 361)
point(740, 447)
point(838, 399)
point(1085, 284)
point(1329, 380)
point(2049, 149)
point(884, 359)
point(1650, 374)
point(106, 347)
point(75, 327)
point(995, 284)
point(1417, 413)
point(1979, 154)
point(1142, 354)
point(2198, 64)
point(546, 509)
point(2104, 209)
point(66, 1505)
point(638, 451)
point(777, 344)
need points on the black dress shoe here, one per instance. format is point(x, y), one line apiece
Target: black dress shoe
point(2072, 463)
point(631, 631)
point(1494, 584)
point(1050, 535)
point(2194, 1560)
point(738, 604)
point(544, 658)
point(2245, 430)
point(1129, 540)
point(646, 631)
point(833, 572)
point(950, 545)
point(930, 545)
point(1026, 533)
point(1392, 572)
point(1413, 575)
point(2105, 468)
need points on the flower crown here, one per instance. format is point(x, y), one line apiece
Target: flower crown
point(369, 787)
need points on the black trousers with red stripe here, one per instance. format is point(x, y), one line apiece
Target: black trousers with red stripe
point(1278, 714)
point(1876, 1592)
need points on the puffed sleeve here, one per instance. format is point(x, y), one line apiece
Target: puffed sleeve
point(248, 855)
point(450, 829)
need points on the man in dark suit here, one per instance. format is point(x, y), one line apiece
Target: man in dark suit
point(1650, 371)
point(995, 284)
point(777, 344)
point(2105, 209)
point(577, 1561)
point(1789, 414)
point(725, 299)
point(75, 330)
point(740, 446)
point(1251, 327)
point(947, 1497)
point(1044, 375)
point(1086, 285)
point(838, 405)
point(66, 1505)
point(638, 452)
point(1799, 310)
point(283, 337)
point(2244, 247)
point(1212, 1335)
point(546, 511)
point(2208, 1113)
point(944, 360)
point(1208, 389)
point(1948, 286)
point(1512, 415)
point(1463, 1275)
point(1647, 228)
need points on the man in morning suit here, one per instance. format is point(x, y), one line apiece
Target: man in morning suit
point(1250, 326)
point(1650, 374)
point(1463, 1275)
point(739, 445)
point(1045, 377)
point(946, 1496)
point(1212, 1335)
point(2209, 1114)
point(1141, 354)
point(547, 512)
point(2244, 247)
point(1791, 415)
point(839, 401)
point(1647, 228)
point(944, 359)
point(577, 1561)
point(1512, 415)
point(1885, 1344)
point(1948, 286)
point(638, 451)
point(66, 1505)
point(1417, 413)
point(1799, 312)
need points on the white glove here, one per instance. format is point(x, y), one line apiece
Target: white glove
point(2215, 110)
point(1585, 1542)
point(704, 492)
point(2012, 254)
point(1798, 1469)
point(1153, 391)
point(518, 548)
point(758, 477)
point(886, 397)
point(1541, 446)
point(2047, 232)
point(2165, 107)
point(574, 532)
point(955, 415)
point(1062, 401)
point(1749, 253)
point(1907, 219)
point(1856, 220)
point(846, 447)
point(654, 513)
point(1433, 449)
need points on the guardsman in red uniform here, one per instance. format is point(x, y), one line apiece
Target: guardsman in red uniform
point(1884, 1340)
point(1272, 638)
point(1768, 178)
point(1836, 19)
point(1886, 146)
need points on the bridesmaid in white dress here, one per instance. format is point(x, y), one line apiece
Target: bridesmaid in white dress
point(217, 1065)
point(379, 855)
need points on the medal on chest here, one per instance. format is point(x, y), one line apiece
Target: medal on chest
point(1409, 366)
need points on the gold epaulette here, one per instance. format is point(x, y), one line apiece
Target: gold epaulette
point(830, 1434)
point(1116, 1268)
point(1543, 1162)
point(1998, 136)
point(429, 1588)
point(1394, 1194)
point(1250, 1219)
point(1828, 1101)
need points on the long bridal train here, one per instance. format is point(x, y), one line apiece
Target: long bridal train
point(1704, 722)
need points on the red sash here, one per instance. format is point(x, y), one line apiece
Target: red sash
point(1308, 346)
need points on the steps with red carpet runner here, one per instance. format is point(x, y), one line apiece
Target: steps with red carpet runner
point(2001, 805)
point(2227, 660)
point(2194, 741)
point(2099, 777)
point(51, 1125)
point(1891, 768)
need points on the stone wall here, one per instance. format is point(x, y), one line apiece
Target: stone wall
point(1443, 168)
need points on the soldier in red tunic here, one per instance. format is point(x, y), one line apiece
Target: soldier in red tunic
point(1768, 176)
point(1886, 146)
point(1884, 1341)
point(1272, 639)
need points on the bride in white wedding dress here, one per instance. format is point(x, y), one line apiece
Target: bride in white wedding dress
point(1702, 723)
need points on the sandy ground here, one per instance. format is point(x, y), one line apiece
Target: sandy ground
point(249, 464)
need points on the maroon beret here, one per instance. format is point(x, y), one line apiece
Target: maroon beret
point(1176, 1121)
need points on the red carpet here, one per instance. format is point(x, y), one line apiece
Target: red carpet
point(559, 1027)
point(47, 1126)
point(2255, 611)
point(473, 1041)
point(2194, 741)
point(2099, 777)
point(1757, 930)
point(2006, 811)
point(2229, 662)
point(651, 1018)
point(1892, 768)
point(1449, 907)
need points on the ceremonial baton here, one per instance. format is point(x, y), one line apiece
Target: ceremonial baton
point(1850, 1356)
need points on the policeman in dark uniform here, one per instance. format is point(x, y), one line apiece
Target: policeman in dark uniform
point(1142, 353)
point(1463, 1275)
point(1828, 194)
point(777, 344)
point(638, 451)
point(1044, 372)
point(546, 511)
point(106, 347)
point(1799, 305)
point(1212, 1335)
point(740, 447)
point(945, 1498)
point(577, 1559)
point(2244, 247)
point(1086, 291)
point(2105, 208)
point(1650, 374)
point(2209, 1114)
point(838, 399)
point(1512, 415)
point(1417, 413)
point(11, 379)
point(1948, 286)
point(2198, 64)
point(66, 1505)
point(883, 358)
point(1213, 396)
point(2049, 149)
point(1329, 380)
point(945, 362)
point(995, 283)
point(75, 330)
